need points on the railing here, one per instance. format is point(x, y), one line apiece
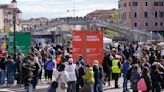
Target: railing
point(135, 34)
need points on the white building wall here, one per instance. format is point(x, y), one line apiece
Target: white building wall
point(1, 20)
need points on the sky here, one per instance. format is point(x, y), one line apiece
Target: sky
point(60, 8)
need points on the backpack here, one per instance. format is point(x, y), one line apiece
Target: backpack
point(128, 73)
point(141, 86)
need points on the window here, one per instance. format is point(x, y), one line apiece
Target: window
point(135, 15)
point(129, 15)
point(145, 3)
point(161, 24)
point(135, 24)
point(146, 24)
point(156, 14)
point(129, 3)
point(145, 14)
point(155, 3)
point(119, 6)
point(124, 4)
point(160, 3)
point(156, 24)
point(161, 14)
point(125, 15)
point(135, 3)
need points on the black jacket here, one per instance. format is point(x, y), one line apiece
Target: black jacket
point(80, 72)
point(107, 63)
point(2, 64)
point(155, 78)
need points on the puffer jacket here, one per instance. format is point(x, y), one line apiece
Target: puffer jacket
point(89, 75)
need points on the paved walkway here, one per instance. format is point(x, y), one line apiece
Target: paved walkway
point(43, 88)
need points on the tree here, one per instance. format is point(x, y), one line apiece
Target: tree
point(116, 16)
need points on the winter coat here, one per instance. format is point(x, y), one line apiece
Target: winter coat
point(155, 78)
point(28, 67)
point(107, 64)
point(135, 76)
point(2, 64)
point(89, 75)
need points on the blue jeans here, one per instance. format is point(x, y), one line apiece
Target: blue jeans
point(2, 77)
point(96, 87)
point(35, 82)
point(125, 83)
point(29, 88)
point(101, 85)
point(10, 78)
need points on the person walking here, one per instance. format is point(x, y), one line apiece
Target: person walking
point(19, 61)
point(116, 70)
point(107, 67)
point(156, 79)
point(2, 68)
point(36, 71)
point(80, 72)
point(27, 73)
point(98, 76)
point(50, 65)
point(63, 79)
point(134, 78)
point(89, 79)
point(144, 75)
point(10, 65)
point(70, 68)
point(125, 67)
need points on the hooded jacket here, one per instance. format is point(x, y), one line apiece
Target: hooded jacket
point(89, 76)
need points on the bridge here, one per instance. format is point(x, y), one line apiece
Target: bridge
point(53, 27)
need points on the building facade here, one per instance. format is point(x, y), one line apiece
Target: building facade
point(1, 20)
point(6, 17)
point(143, 14)
point(103, 14)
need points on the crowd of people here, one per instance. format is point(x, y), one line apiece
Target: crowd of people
point(138, 65)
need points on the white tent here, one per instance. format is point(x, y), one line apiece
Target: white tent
point(107, 40)
point(161, 44)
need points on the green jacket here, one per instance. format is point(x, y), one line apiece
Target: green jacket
point(89, 75)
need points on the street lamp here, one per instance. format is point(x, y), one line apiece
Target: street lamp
point(14, 14)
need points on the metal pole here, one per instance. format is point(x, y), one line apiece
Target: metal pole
point(85, 53)
point(14, 29)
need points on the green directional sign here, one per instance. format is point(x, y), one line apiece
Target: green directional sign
point(23, 42)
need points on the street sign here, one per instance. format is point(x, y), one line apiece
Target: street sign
point(23, 42)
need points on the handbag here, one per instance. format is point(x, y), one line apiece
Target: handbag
point(64, 85)
point(54, 84)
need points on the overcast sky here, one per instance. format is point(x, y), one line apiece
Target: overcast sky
point(59, 8)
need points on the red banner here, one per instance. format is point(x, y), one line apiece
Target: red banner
point(77, 45)
point(89, 44)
